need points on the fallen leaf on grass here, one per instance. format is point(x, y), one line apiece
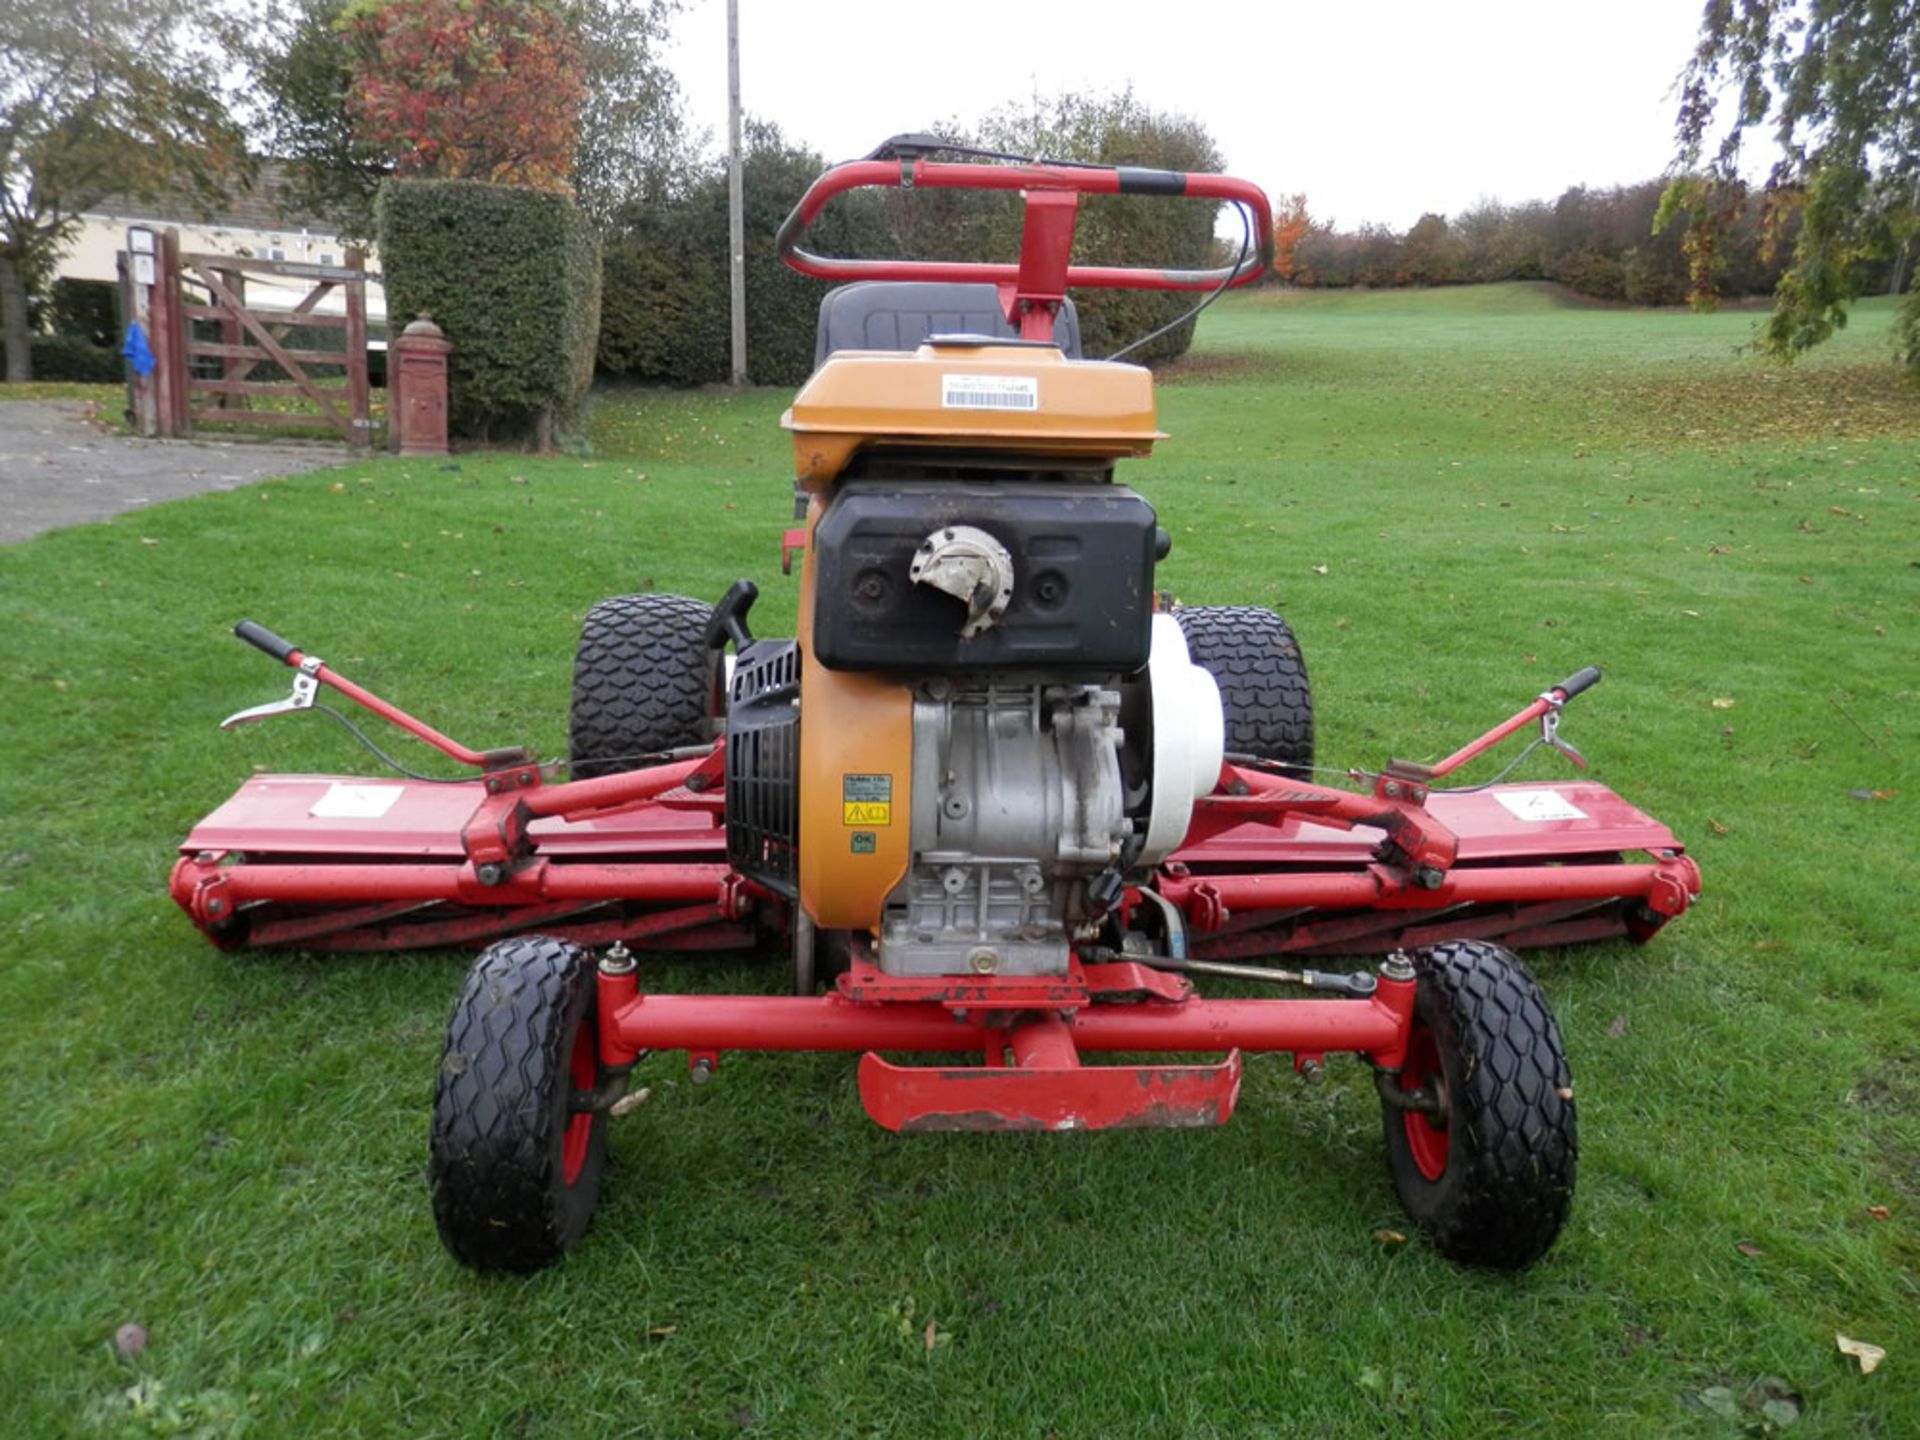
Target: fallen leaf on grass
point(1719, 550)
point(1719, 1400)
point(627, 1104)
point(1749, 1249)
point(1723, 704)
point(1717, 827)
point(1618, 1027)
point(661, 1332)
point(1320, 569)
point(1871, 794)
point(1389, 1237)
point(1879, 1212)
point(1869, 1355)
point(1779, 1412)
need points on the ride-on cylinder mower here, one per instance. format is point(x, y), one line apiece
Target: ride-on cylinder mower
point(998, 795)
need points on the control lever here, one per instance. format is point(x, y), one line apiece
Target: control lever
point(306, 689)
point(1556, 699)
point(729, 620)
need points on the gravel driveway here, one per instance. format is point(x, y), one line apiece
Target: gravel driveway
point(57, 469)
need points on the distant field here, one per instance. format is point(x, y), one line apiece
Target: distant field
point(1456, 497)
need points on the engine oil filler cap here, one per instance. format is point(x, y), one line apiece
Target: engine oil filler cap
point(973, 567)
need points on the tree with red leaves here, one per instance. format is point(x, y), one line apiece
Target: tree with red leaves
point(1290, 223)
point(467, 89)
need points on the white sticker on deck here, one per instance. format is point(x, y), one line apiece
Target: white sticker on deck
point(1539, 805)
point(356, 802)
point(989, 392)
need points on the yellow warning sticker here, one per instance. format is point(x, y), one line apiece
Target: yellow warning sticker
point(866, 799)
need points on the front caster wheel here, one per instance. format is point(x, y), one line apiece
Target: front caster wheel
point(1482, 1151)
point(515, 1170)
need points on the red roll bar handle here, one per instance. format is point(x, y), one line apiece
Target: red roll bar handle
point(1545, 708)
point(913, 171)
point(313, 673)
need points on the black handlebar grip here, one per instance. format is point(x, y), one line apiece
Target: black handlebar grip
point(1580, 680)
point(1135, 180)
point(262, 638)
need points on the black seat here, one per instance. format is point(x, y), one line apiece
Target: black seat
point(900, 314)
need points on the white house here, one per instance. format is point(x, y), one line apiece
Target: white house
point(261, 223)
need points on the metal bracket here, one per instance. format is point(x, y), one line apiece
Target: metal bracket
point(306, 689)
point(1550, 733)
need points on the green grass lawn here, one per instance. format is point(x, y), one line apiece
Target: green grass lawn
point(1456, 498)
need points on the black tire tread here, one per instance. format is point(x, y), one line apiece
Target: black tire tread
point(499, 1198)
point(643, 681)
point(1509, 1180)
point(1252, 655)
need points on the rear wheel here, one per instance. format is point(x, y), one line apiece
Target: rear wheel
point(644, 681)
point(515, 1170)
point(1488, 1172)
point(1253, 657)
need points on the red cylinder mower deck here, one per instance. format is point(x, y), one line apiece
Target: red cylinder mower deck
point(330, 862)
point(1272, 866)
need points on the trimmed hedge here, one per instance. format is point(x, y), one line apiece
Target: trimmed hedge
point(87, 310)
point(513, 278)
point(667, 312)
point(72, 358)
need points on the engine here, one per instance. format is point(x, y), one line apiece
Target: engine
point(1059, 734)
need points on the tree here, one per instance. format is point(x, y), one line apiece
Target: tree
point(1838, 81)
point(302, 89)
point(1429, 255)
point(467, 89)
point(631, 143)
point(1290, 225)
point(99, 98)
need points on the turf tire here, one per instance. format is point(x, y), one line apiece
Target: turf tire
point(1252, 655)
point(644, 680)
point(1493, 1186)
point(498, 1155)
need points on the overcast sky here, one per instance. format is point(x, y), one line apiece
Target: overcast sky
point(1377, 111)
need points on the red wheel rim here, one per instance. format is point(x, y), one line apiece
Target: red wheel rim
point(1426, 1141)
point(579, 1134)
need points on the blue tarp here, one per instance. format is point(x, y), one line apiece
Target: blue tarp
point(134, 347)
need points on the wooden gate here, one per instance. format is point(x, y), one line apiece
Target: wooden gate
point(206, 379)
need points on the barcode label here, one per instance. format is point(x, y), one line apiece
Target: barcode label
point(989, 392)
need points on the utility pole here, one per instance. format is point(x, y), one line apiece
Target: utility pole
point(736, 205)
